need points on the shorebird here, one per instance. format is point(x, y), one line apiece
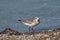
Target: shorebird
point(31, 22)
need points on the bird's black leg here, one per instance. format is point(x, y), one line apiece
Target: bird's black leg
point(32, 30)
point(29, 29)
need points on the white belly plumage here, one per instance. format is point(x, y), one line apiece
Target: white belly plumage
point(29, 24)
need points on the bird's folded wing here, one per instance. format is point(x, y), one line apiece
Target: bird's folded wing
point(28, 20)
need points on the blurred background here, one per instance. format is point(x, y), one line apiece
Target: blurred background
point(47, 10)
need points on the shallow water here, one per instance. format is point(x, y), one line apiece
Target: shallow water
point(12, 10)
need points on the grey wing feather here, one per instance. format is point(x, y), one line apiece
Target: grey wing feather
point(28, 20)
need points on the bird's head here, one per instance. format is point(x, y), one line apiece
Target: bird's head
point(37, 18)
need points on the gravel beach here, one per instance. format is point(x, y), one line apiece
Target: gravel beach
point(9, 34)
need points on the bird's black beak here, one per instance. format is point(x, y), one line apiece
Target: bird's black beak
point(39, 21)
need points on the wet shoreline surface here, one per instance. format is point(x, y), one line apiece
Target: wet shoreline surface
point(12, 10)
point(9, 34)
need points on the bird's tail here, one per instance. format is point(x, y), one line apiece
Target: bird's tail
point(19, 20)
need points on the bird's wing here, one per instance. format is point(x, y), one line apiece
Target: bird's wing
point(28, 20)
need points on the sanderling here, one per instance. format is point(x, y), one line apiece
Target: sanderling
point(31, 22)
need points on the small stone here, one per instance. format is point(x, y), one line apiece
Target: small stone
point(47, 38)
